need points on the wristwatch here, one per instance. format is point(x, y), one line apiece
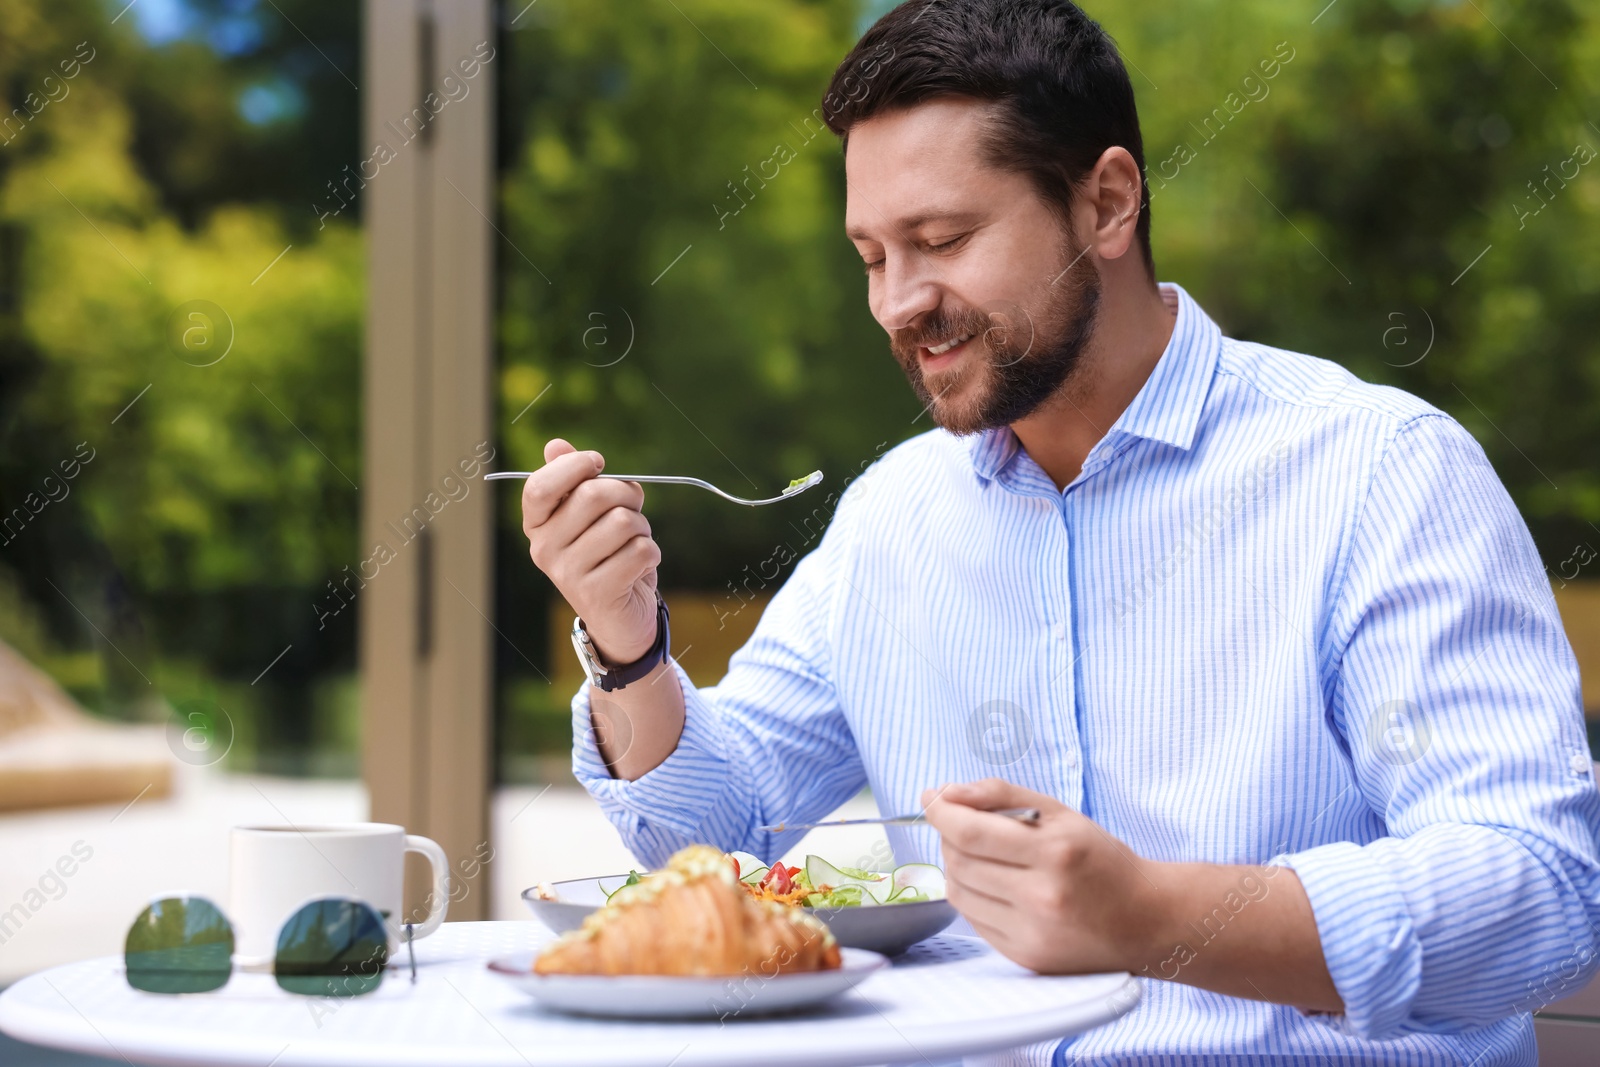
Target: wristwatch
point(610, 679)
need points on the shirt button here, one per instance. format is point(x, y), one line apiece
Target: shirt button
point(1579, 764)
point(1060, 631)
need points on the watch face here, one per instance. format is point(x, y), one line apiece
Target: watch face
point(585, 650)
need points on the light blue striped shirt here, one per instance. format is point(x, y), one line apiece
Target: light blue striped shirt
point(1282, 616)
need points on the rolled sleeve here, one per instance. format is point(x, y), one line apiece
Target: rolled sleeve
point(677, 795)
point(1369, 943)
point(1457, 700)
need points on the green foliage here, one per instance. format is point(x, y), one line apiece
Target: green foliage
point(190, 548)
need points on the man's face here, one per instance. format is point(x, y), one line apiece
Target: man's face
point(958, 251)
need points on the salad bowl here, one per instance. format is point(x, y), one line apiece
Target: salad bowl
point(884, 927)
point(890, 929)
point(563, 906)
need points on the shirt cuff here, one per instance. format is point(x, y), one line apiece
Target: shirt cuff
point(1368, 940)
point(682, 790)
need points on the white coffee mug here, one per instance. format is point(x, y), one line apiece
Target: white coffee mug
point(273, 870)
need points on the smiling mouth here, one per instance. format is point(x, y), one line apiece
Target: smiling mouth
point(954, 342)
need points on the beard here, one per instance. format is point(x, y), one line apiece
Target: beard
point(1022, 360)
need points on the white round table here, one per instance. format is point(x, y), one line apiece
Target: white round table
point(949, 997)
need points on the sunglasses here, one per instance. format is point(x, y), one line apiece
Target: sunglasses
point(332, 947)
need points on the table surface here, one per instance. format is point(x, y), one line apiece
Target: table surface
point(949, 997)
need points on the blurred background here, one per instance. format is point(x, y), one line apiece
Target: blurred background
point(185, 311)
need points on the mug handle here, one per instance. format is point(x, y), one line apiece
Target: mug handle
point(441, 882)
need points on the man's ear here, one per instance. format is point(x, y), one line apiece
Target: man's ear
point(1114, 191)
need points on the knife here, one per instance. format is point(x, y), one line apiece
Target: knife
point(1026, 815)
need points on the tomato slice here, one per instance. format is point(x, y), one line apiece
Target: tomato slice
point(778, 878)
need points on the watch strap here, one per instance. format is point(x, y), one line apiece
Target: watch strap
point(614, 678)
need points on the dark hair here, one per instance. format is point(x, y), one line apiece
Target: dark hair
point(1062, 92)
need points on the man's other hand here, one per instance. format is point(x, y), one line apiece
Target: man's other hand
point(1059, 896)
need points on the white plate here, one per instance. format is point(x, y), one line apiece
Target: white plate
point(648, 996)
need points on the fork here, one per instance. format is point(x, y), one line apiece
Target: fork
point(1022, 815)
point(796, 487)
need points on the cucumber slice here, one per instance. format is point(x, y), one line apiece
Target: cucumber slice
point(924, 877)
point(877, 891)
point(821, 872)
point(755, 876)
point(875, 888)
point(747, 864)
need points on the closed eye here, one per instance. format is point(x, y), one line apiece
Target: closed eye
point(876, 265)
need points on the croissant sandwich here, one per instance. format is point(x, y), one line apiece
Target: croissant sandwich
point(692, 918)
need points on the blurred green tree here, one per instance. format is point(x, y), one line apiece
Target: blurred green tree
point(219, 492)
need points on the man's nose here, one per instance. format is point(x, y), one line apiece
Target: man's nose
point(909, 290)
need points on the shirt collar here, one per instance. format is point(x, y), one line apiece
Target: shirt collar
point(1167, 407)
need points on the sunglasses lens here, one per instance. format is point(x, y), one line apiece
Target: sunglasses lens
point(332, 948)
point(179, 945)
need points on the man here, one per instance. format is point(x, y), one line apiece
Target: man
point(1269, 646)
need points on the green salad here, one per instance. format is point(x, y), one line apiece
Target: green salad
point(820, 884)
